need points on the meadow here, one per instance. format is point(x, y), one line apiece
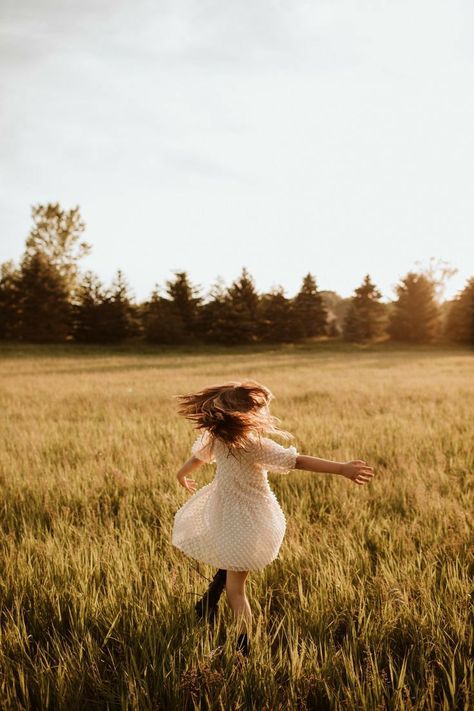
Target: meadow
point(370, 603)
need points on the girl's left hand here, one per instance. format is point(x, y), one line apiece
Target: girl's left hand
point(189, 484)
point(357, 471)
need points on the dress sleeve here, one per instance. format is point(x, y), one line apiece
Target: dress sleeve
point(273, 457)
point(202, 448)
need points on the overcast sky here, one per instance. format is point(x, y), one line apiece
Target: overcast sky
point(331, 136)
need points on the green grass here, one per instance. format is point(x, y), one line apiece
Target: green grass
point(369, 605)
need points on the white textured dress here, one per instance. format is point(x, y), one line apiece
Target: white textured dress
point(235, 522)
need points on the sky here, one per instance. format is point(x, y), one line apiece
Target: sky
point(334, 137)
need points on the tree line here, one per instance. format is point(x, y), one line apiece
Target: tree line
point(46, 298)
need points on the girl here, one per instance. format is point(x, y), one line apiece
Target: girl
point(235, 523)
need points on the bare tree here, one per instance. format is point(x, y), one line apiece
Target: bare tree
point(438, 272)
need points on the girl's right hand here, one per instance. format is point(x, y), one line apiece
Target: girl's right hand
point(357, 471)
point(189, 484)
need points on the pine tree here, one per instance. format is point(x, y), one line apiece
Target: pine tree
point(365, 317)
point(152, 317)
point(173, 318)
point(116, 312)
point(87, 310)
point(277, 322)
point(415, 317)
point(460, 321)
point(9, 300)
point(161, 322)
point(309, 311)
point(215, 315)
point(243, 306)
point(185, 300)
point(44, 309)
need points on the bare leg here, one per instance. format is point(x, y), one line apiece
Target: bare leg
point(235, 590)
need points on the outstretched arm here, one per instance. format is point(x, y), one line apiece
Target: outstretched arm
point(357, 471)
point(191, 465)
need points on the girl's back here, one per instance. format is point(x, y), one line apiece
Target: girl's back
point(235, 522)
point(259, 455)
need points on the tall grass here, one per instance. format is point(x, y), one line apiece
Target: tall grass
point(369, 605)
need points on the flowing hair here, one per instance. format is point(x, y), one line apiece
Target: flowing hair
point(231, 412)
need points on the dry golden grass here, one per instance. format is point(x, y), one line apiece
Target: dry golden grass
point(369, 605)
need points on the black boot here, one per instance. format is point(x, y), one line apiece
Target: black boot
point(243, 644)
point(207, 605)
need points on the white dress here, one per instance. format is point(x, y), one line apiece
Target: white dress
point(235, 522)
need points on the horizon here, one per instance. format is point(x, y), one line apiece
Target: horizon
point(204, 292)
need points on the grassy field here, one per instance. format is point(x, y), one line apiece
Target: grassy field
point(369, 605)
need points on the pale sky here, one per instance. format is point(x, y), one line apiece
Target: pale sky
point(327, 136)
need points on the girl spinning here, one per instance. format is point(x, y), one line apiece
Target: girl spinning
point(235, 523)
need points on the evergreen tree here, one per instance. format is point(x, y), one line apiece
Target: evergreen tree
point(56, 233)
point(243, 306)
point(277, 321)
point(116, 312)
point(415, 316)
point(9, 300)
point(152, 317)
point(88, 310)
point(365, 317)
point(44, 310)
point(460, 321)
point(309, 310)
point(215, 315)
point(162, 325)
point(173, 318)
point(185, 301)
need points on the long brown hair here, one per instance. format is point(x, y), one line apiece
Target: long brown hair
point(230, 412)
